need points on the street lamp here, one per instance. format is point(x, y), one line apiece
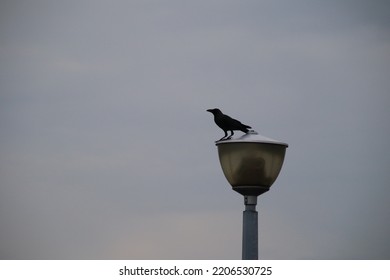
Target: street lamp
point(251, 165)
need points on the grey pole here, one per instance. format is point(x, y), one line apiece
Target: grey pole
point(250, 239)
point(251, 165)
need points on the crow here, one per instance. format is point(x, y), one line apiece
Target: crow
point(227, 123)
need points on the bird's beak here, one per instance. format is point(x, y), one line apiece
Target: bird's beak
point(209, 110)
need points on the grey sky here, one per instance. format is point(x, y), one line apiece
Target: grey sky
point(107, 152)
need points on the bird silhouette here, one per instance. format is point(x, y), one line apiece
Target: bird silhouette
point(227, 123)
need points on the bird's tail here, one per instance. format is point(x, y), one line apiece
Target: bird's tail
point(245, 128)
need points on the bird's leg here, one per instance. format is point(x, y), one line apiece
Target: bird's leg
point(224, 136)
point(231, 134)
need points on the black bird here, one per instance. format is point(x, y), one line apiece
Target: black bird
point(227, 123)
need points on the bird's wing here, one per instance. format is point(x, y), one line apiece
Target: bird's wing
point(230, 123)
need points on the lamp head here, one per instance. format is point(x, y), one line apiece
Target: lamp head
point(251, 163)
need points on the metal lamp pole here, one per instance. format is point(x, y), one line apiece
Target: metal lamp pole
point(250, 237)
point(251, 165)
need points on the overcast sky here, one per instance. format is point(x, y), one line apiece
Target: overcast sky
point(107, 151)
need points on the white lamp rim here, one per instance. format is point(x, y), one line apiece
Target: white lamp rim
point(252, 137)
